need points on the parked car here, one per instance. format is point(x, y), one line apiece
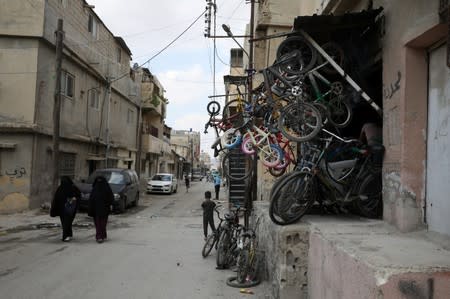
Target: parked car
point(124, 184)
point(163, 183)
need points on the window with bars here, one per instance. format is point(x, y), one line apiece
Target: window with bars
point(92, 25)
point(67, 164)
point(237, 58)
point(67, 84)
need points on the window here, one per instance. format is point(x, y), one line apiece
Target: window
point(236, 59)
point(63, 3)
point(130, 116)
point(118, 55)
point(67, 164)
point(93, 97)
point(67, 84)
point(92, 25)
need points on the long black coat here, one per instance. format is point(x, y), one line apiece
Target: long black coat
point(65, 190)
point(101, 198)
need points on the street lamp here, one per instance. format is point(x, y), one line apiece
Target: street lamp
point(227, 29)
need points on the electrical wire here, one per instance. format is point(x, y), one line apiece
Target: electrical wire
point(167, 46)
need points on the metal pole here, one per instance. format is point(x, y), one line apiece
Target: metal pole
point(108, 102)
point(251, 66)
point(57, 103)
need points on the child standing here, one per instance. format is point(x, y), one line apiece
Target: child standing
point(208, 213)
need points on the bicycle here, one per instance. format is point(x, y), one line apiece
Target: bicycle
point(213, 239)
point(226, 247)
point(247, 261)
point(355, 181)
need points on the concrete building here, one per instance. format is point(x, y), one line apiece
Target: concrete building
point(92, 119)
point(187, 145)
point(156, 154)
point(406, 254)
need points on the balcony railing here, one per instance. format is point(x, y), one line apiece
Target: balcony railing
point(154, 102)
point(151, 144)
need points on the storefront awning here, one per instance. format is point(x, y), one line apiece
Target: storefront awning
point(330, 23)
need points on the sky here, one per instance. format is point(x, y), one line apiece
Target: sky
point(185, 69)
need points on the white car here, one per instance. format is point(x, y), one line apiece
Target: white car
point(162, 183)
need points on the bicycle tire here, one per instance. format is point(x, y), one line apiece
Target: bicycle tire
point(308, 53)
point(231, 138)
point(209, 244)
point(293, 199)
point(302, 119)
point(247, 146)
point(232, 112)
point(369, 201)
point(340, 112)
point(213, 108)
point(246, 170)
point(336, 53)
point(222, 250)
point(270, 155)
point(232, 282)
point(273, 209)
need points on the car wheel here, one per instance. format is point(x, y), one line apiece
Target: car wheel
point(136, 201)
point(122, 205)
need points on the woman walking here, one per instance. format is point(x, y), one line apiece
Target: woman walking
point(65, 204)
point(100, 202)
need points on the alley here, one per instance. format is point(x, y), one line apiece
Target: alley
point(153, 251)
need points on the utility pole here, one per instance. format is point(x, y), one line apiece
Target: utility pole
point(251, 66)
point(57, 103)
point(108, 102)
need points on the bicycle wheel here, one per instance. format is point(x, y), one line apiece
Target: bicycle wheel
point(233, 112)
point(294, 199)
point(306, 58)
point(274, 197)
point(232, 282)
point(339, 111)
point(336, 53)
point(223, 249)
point(300, 121)
point(369, 201)
point(277, 172)
point(209, 244)
point(270, 155)
point(248, 146)
point(237, 166)
point(231, 138)
point(213, 108)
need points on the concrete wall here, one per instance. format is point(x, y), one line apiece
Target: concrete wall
point(19, 64)
point(15, 173)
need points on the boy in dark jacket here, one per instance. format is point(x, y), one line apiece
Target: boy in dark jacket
point(208, 213)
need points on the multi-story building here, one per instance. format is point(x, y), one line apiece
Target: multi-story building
point(186, 144)
point(156, 154)
point(99, 105)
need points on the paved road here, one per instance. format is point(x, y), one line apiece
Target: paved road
point(153, 251)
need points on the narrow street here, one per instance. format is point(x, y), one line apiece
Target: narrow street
point(152, 251)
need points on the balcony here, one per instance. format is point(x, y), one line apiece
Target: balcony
point(155, 103)
point(151, 144)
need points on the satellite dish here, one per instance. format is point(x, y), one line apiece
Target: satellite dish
point(135, 66)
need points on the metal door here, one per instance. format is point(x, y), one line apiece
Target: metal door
point(438, 144)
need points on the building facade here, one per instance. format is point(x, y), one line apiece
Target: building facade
point(99, 106)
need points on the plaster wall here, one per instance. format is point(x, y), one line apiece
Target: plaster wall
point(15, 173)
point(411, 27)
point(22, 18)
point(18, 61)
